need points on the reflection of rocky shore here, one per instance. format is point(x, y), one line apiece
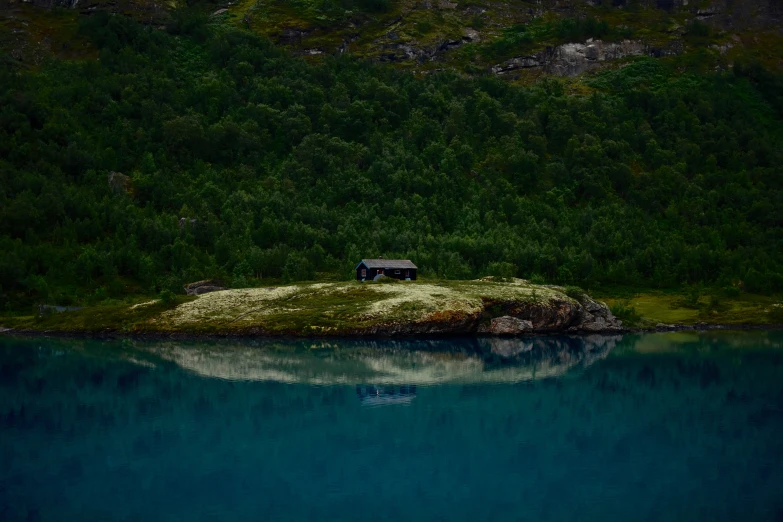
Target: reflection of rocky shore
point(385, 395)
point(389, 362)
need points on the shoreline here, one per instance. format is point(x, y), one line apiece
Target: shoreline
point(484, 308)
point(184, 336)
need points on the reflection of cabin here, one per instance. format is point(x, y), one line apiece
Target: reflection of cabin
point(382, 395)
point(371, 269)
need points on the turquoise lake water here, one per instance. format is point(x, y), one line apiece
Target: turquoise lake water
point(647, 427)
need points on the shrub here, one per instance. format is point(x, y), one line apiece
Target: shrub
point(627, 314)
point(577, 30)
point(167, 297)
point(502, 271)
point(775, 314)
point(698, 29)
point(298, 268)
point(538, 279)
point(716, 303)
point(689, 300)
point(574, 292)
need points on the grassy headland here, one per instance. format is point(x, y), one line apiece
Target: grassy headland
point(301, 309)
point(353, 308)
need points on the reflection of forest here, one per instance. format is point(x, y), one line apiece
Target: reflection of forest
point(370, 395)
point(389, 362)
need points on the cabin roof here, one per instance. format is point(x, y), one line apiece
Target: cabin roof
point(387, 263)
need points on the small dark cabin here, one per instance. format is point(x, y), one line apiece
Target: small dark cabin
point(370, 269)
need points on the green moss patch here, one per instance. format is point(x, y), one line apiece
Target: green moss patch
point(709, 307)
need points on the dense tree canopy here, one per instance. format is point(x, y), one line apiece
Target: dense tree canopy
point(281, 168)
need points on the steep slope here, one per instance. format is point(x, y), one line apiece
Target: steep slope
point(517, 39)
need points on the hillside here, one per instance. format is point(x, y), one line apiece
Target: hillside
point(517, 39)
point(138, 154)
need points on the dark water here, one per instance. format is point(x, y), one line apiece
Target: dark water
point(656, 427)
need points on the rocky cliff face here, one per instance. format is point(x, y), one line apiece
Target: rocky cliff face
point(466, 36)
point(573, 59)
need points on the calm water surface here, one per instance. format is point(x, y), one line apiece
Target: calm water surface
point(644, 427)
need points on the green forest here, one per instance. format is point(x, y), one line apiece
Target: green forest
point(200, 150)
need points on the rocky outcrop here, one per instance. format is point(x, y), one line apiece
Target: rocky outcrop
point(119, 183)
point(506, 325)
point(185, 222)
point(204, 287)
point(585, 315)
point(595, 316)
point(394, 51)
point(56, 309)
point(546, 316)
point(574, 58)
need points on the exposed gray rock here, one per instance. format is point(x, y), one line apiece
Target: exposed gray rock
point(119, 183)
point(663, 327)
point(291, 36)
point(506, 325)
point(347, 42)
point(56, 309)
point(555, 315)
point(471, 34)
point(596, 317)
point(722, 49)
point(204, 287)
point(184, 222)
point(573, 58)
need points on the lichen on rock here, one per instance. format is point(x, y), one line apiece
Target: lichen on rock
point(412, 308)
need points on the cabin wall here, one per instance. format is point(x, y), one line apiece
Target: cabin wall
point(372, 272)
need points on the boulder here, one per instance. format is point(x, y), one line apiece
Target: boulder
point(596, 317)
point(471, 35)
point(184, 222)
point(554, 315)
point(506, 325)
point(119, 183)
point(204, 287)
